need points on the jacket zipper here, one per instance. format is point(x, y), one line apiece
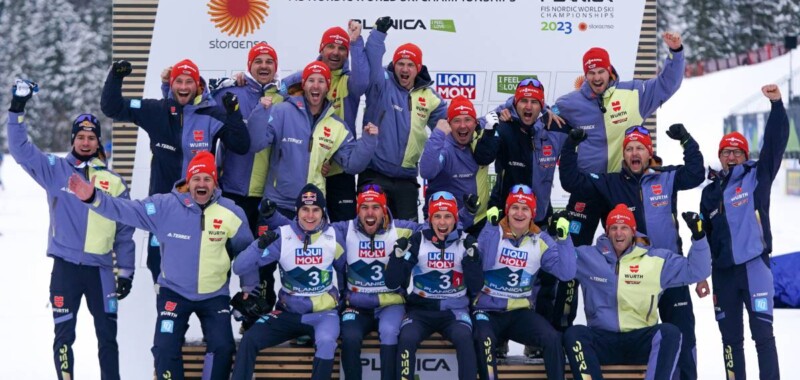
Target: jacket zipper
point(202, 220)
point(650, 310)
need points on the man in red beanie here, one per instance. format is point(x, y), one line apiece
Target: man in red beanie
point(343, 52)
point(186, 121)
point(448, 163)
point(201, 232)
point(735, 208)
point(399, 97)
point(623, 278)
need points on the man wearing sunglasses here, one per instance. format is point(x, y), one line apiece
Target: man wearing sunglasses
point(513, 252)
point(652, 192)
point(185, 122)
point(443, 264)
point(448, 162)
point(622, 278)
point(93, 257)
point(735, 209)
point(400, 99)
point(366, 303)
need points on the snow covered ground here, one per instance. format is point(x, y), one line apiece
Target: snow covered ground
point(26, 326)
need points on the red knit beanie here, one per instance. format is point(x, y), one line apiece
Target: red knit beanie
point(336, 36)
point(409, 51)
point(317, 67)
point(446, 202)
point(203, 162)
point(185, 67)
point(621, 215)
point(529, 91)
point(526, 197)
point(594, 58)
point(371, 195)
point(258, 49)
point(640, 137)
point(460, 105)
point(734, 140)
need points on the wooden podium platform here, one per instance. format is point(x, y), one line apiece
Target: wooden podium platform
point(289, 362)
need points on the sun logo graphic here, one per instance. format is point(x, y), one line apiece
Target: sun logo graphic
point(238, 17)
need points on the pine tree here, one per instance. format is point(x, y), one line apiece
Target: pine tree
point(709, 29)
point(756, 26)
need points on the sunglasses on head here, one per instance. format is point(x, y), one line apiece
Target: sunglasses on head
point(637, 128)
point(530, 82)
point(442, 195)
point(516, 189)
point(372, 187)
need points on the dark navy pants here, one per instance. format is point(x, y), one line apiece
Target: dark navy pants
point(68, 283)
point(523, 326)
point(454, 325)
point(657, 346)
point(279, 326)
point(357, 323)
point(153, 257)
point(675, 307)
point(749, 284)
point(173, 320)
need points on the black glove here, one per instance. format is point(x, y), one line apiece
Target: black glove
point(678, 132)
point(121, 69)
point(266, 239)
point(383, 24)
point(267, 208)
point(695, 224)
point(251, 308)
point(471, 245)
point(559, 228)
point(400, 247)
point(471, 202)
point(231, 102)
point(124, 286)
point(21, 92)
point(577, 135)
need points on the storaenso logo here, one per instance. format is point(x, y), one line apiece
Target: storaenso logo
point(507, 84)
point(238, 17)
point(442, 25)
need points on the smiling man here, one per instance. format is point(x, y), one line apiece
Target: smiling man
point(399, 98)
point(443, 264)
point(652, 192)
point(305, 134)
point(622, 277)
point(201, 233)
point(448, 163)
point(185, 122)
point(735, 208)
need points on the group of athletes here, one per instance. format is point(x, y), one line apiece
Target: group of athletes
point(335, 210)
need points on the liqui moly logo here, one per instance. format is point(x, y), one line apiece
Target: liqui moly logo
point(371, 250)
point(441, 260)
point(449, 86)
point(513, 258)
point(310, 256)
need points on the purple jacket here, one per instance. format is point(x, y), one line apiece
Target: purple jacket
point(195, 241)
point(76, 234)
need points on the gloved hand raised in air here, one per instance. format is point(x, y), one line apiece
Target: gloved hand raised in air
point(383, 24)
point(21, 92)
point(121, 69)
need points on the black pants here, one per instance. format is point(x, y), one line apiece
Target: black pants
point(68, 283)
point(675, 307)
point(420, 324)
point(402, 194)
point(558, 300)
point(524, 326)
point(153, 256)
point(588, 349)
point(357, 323)
point(173, 320)
point(250, 207)
point(340, 194)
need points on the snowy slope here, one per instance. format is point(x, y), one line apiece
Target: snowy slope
point(25, 318)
